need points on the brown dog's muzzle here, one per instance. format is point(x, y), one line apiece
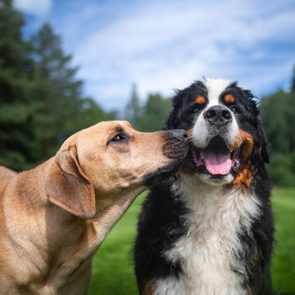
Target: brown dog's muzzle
point(175, 148)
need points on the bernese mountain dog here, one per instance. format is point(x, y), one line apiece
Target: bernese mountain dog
point(209, 231)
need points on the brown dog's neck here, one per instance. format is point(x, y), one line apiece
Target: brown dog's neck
point(89, 233)
point(62, 242)
point(110, 209)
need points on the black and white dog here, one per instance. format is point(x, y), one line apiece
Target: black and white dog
point(210, 232)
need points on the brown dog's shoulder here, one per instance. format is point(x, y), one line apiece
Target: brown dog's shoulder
point(6, 173)
point(5, 176)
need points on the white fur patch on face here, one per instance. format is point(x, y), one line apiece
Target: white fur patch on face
point(215, 87)
point(208, 253)
point(200, 130)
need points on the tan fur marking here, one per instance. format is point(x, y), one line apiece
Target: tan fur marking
point(149, 288)
point(245, 175)
point(229, 98)
point(200, 99)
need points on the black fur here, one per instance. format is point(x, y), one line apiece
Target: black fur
point(161, 221)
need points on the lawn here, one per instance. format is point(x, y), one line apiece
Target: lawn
point(113, 268)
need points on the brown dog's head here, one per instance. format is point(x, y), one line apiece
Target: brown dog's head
point(108, 159)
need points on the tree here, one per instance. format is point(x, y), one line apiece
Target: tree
point(58, 92)
point(17, 138)
point(61, 108)
point(133, 108)
point(277, 111)
point(91, 113)
point(154, 113)
point(41, 101)
point(293, 81)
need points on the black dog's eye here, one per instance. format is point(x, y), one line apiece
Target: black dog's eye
point(119, 138)
point(195, 110)
point(234, 109)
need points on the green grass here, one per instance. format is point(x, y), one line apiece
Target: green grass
point(113, 267)
point(283, 270)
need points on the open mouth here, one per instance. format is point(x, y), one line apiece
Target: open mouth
point(216, 159)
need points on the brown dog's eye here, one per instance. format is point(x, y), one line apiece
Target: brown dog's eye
point(119, 138)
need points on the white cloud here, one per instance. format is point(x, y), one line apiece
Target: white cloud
point(165, 46)
point(34, 7)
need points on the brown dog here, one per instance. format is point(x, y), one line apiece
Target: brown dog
point(54, 217)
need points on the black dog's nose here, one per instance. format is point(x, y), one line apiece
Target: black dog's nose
point(218, 115)
point(178, 134)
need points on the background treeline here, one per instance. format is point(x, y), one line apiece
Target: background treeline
point(42, 102)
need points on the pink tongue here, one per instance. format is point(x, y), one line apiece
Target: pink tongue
point(218, 164)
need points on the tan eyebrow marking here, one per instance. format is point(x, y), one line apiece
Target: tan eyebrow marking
point(200, 99)
point(229, 98)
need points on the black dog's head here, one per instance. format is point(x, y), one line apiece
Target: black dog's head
point(228, 140)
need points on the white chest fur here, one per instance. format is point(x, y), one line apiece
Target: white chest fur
point(208, 253)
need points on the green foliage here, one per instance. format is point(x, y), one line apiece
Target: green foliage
point(282, 169)
point(58, 104)
point(133, 109)
point(278, 113)
point(41, 101)
point(113, 267)
point(154, 113)
point(17, 137)
point(149, 116)
point(91, 113)
point(293, 81)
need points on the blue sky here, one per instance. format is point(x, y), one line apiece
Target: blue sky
point(164, 45)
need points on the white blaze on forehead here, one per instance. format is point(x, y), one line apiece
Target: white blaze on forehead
point(215, 87)
point(201, 134)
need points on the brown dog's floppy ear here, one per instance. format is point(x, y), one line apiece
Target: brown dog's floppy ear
point(68, 187)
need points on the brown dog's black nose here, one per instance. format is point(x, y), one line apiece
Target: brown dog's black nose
point(218, 115)
point(178, 134)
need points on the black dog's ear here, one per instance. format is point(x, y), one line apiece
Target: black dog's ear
point(173, 120)
point(262, 149)
point(265, 145)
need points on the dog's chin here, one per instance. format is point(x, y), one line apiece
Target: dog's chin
point(215, 180)
point(216, 164)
